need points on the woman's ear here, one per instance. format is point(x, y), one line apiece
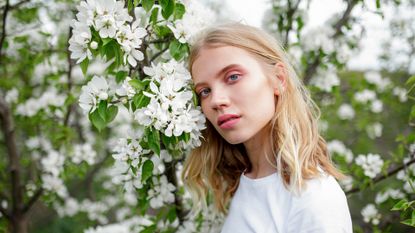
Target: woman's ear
point(280, 77)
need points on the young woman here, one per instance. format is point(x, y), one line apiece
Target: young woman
point(262, 161)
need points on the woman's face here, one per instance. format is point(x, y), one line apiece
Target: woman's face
point(236, 94)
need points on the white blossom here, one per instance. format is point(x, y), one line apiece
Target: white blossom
point(33, 105)
point(319, 37)
point(370, 214)
point(325, 80)
point(336, 146)
point(374, 130)
point(53, 163)
point(196, 18)
point(389, 193)
point(346, 112)
point(126, 89)
point(70, 207)
point(94, 91)
point(84, 152)
point(347, 182)
point(95, 210)
point(375, 78)
point(371, 164)
point(365, 96)
point(79, 42)
point(162, 193)
point(401, 93)
point(376, 106)
point(11, 96)
point(111, 228)
point(54, 184)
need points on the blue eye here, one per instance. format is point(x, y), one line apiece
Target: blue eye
point(233, 77)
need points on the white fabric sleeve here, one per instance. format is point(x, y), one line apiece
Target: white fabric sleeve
point(322, 208)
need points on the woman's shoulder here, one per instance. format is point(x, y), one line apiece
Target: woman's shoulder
point(322, 206)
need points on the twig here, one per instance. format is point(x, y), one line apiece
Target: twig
point(391, 172)
point(158, 54)
point(15, 6)
point(32, 200)
point(69, 77)
point(172, 178)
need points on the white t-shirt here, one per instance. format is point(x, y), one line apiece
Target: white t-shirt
point(264, 205)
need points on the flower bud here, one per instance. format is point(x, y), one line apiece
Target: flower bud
point(94, 45)
point(103, 96)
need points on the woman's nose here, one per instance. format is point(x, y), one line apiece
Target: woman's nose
point(219, 99)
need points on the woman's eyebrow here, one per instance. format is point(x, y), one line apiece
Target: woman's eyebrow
point(220, 73)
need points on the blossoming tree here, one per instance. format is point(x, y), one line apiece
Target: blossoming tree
point(98, 113)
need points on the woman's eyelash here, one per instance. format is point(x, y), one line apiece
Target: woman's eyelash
point(233, 77)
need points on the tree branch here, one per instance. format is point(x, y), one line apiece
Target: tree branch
point(391, 172)
point(15, 6)
point(14, 166)
point(312, 66)
point(32, 200)
point(159, 53)
point(172, 178)
point(3, 30)
point(69, 77)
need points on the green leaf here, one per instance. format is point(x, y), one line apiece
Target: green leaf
point(149, 229)
point(137, 84)
point(177, 50)
point(105, 41)
point(377, 4)
point(410, 81)
point(84, 65)
point(167, 8)
point(171, 215)
point(120, 76)
point(141, 100)
point(96, 120)
point(147, 4)
point(154, 140)
point(179, 11)
point(147, 170)
point(409, 222)
point(162, 31)
point(102, 109)
point(400, 205)
point(154, 15)
point(111, 113)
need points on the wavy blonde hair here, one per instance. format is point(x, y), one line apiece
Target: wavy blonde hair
point(300, 153)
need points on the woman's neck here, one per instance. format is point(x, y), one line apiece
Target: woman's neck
point(257, 149)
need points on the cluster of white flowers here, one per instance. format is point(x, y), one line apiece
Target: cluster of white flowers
point(401, 93)
point(365, 96)
point(111, 228)
point(84, 152)
point(11, 96)
point(336, 146)
point(346, 112)
point(325, 80)
point(196, 18)
point(389, 193)
point(171, 109)
point(126, 89)
point(111, 20)
point(52, 166)
point(70, 208)
point(33, 105)
point(160, 160)
point(96, 211)
point(162, 193)
point(375, 78)
point(371, 164)
point(370, 214)
point(347, 182)
point(319, 37)
point(374, 130)
point(95, 90)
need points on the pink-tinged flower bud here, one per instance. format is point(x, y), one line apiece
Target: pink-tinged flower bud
point(94, 45)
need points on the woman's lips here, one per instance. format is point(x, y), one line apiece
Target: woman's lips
point(227, 121)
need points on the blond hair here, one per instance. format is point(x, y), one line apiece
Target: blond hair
point(299, 151)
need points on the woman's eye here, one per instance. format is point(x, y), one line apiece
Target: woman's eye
point(204, 92)
point(233, 77)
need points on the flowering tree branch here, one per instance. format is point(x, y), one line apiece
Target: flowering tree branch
point(391, 172)
point(172, 178)
point(290, 13)
point(312, 66)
